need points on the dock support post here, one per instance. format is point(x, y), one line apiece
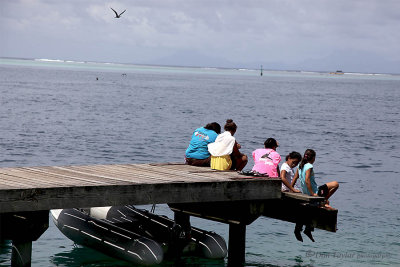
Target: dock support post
point(237, 245)
point(21, 255)
point(183, 220)
point(23, 228)
point(181, 233)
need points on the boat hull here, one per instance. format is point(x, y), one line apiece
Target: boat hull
point(165, 231)
point(107, 238)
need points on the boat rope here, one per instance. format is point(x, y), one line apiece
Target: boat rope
point(19, 254)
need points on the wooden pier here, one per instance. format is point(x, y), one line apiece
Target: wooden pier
point(28, 193)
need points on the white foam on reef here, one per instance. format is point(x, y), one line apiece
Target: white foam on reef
point(72, 61)
point(58, 60)
point(49, 60)
point(309, 72)
point(368, 74)
point(249, 70)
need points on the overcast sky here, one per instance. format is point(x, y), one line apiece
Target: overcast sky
point(350, 35)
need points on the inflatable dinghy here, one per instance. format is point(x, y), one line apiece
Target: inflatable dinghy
point(136, 235)
point(106, 237)
point(165, 231)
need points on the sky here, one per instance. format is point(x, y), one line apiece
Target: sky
point(315, 35)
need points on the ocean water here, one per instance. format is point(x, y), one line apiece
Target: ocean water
point(73, 113)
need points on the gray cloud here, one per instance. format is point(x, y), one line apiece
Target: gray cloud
point(304, 34)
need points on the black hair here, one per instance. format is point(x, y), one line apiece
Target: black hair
point(230, 126)
point(308, 156)
point(270, 143)
point(214, 126)
point(294, 155)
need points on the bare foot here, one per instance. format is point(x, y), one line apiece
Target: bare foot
point(328, 207)
point(297, 232)
point(298, 236)
point(307, 232)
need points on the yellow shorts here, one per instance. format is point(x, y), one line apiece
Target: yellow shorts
point(221, 163)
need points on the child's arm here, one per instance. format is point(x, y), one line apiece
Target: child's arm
point(235, 151)
point(296, 176)
point(308, 182)
point(286, 182)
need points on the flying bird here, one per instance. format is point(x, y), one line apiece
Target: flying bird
point(116, 13)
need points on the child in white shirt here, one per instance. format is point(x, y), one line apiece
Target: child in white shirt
point(288, 172)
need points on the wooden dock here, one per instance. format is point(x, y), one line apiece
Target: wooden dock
point(45, 188)
point(28, 193)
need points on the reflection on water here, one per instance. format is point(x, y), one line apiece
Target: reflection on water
point(82, 256)
point(5, 252)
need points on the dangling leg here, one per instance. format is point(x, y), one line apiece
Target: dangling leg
point(297, 231)
point(332, 187)
point(308, 230)
point(241, 162)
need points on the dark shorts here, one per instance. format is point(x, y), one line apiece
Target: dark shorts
point(199, 162)
point(323, 190)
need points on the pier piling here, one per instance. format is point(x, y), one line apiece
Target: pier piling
point(236, 245)
point(22, 228)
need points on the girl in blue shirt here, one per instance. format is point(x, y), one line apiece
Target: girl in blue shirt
point(305, 172)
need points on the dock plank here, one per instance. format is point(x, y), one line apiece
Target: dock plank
point(105, 177)
point(66, 179)
point(140, 174)
point(163, 173)
point(172, 174)
point(134, 176)
point(61, 179)
point(302, 197)
point(38, 177)
point(10, 184)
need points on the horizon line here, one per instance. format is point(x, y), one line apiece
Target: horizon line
point(194, 66)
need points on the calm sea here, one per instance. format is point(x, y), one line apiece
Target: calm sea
point(71, 113)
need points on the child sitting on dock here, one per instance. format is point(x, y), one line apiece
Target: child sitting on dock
point(305, 172)
point(225, 154)
point(266, 160)
point(288, 172)
point(197, 153)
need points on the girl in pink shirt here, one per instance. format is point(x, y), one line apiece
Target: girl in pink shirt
point(266, 160)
